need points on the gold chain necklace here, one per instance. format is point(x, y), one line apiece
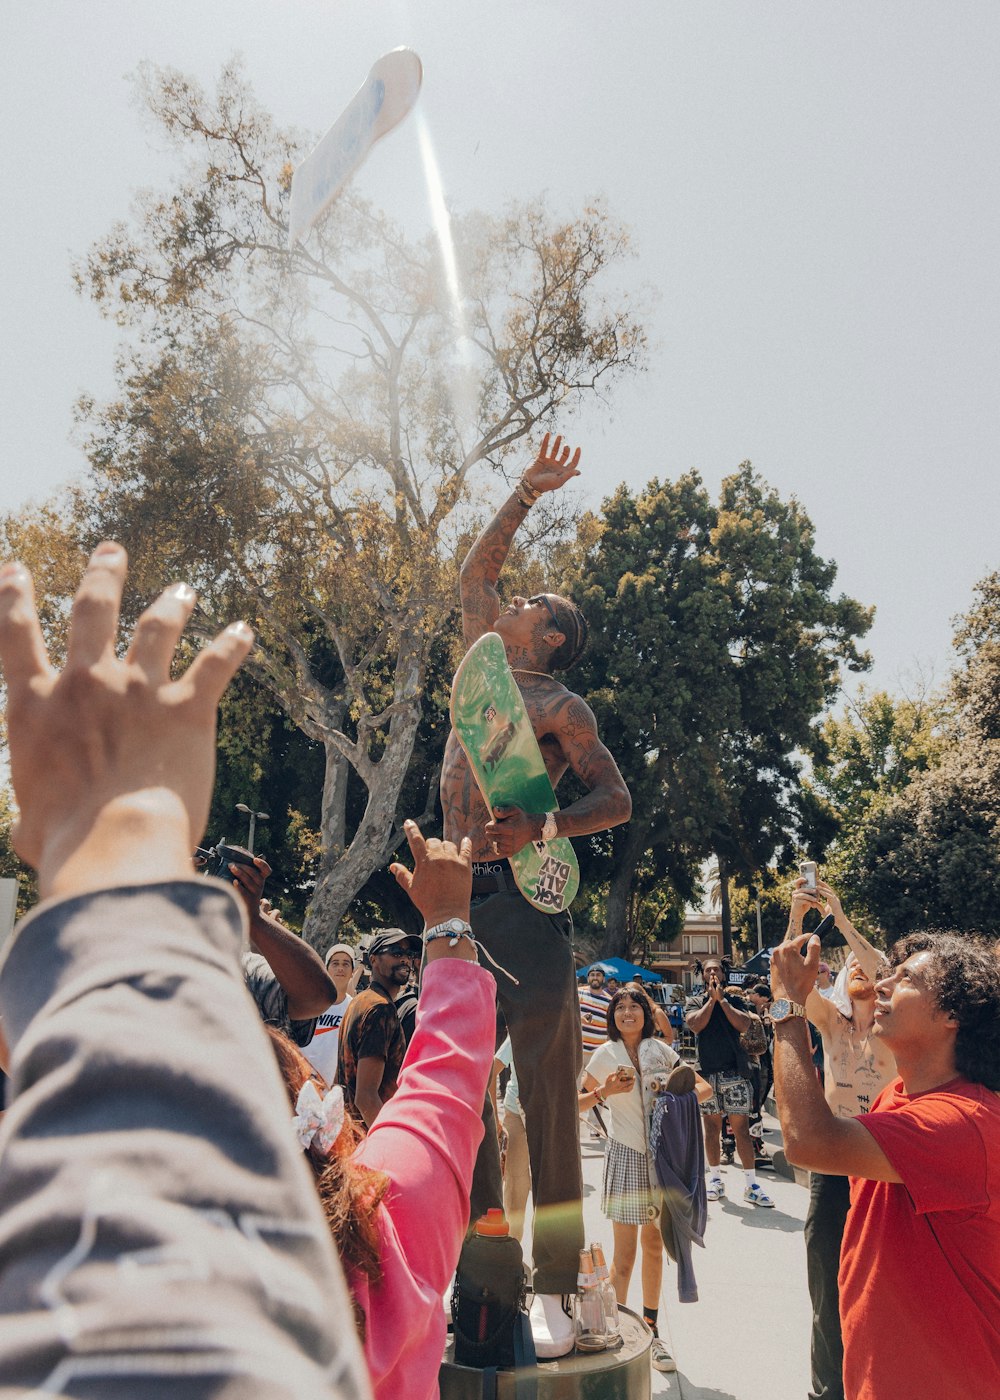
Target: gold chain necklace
point(523, 671)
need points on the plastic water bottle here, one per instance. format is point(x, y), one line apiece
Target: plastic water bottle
point(588, 1308)
point(488, 1294)
point(612, 1322)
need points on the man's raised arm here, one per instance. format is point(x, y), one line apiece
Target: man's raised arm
point(866, 953)
point(552, 468)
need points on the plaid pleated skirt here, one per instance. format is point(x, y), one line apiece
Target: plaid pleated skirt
point(627, 1197)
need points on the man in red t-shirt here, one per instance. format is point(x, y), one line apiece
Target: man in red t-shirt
point(920, 1261)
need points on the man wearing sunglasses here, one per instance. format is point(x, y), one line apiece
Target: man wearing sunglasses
point(541, 634)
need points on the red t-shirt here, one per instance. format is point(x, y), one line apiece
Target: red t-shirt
point(920, 1261)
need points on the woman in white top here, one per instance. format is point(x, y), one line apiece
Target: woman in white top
point(614, 1075)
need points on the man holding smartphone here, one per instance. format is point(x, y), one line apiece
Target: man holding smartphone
point(718, 1018)
point(857, 1065)
point(920, 1261)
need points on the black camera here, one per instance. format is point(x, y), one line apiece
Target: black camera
point(216, 860)
point(829, 935)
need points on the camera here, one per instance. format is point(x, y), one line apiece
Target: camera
point(217, 859)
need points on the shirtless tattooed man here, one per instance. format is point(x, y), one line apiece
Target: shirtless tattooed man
point(542, 634)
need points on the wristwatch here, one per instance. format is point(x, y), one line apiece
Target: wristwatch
point(451, 928)
point(785, 1010)
point(550, 830)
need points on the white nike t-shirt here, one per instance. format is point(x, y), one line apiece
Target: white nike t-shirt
point(321, 1052)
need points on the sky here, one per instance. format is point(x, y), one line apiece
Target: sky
point(812, 192)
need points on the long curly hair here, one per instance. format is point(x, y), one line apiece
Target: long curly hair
point(350, 1192)
point(964, 977)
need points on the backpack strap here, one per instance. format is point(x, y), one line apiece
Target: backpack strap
point(525, 1360)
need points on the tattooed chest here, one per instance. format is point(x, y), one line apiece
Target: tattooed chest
point(461, 801)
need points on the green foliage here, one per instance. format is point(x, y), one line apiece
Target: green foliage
point(920, 845)
point(716, 643)
point(875, 749)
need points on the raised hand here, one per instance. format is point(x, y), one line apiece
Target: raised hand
point(440, 883)
point(553, 466)
point(249, 881)
point(802, 901)
point(112, 761)
point(792, 974)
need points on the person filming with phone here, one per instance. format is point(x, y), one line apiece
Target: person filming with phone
point(857, 1065)
point(718, 1017)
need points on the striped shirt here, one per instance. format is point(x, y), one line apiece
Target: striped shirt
point(593, 1017)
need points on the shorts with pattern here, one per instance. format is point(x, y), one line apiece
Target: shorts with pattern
point(731, 1093)
point(628, 1198)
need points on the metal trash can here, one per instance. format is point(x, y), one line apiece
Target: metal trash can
point(624, 1373)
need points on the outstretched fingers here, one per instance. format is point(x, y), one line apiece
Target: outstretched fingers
point(428, 854)
point(96, 607)
point(418, 850)
point(158, 631)
point(22, 646)
point(217, 663)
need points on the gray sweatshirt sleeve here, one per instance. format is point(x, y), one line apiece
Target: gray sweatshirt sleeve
point(160, 1233)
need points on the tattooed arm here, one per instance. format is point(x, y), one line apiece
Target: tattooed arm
point(551, 469)
point(606, 804)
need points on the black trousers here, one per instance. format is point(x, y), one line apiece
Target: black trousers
point(829, 1199)
point(543, 1020)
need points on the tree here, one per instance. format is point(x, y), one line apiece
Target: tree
point(715, 644)
point(876, 748)
point(928, 853)
point(296, 430)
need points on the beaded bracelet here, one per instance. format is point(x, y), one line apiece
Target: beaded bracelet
point(451, 937)
point(445, 932)
point(524, 489)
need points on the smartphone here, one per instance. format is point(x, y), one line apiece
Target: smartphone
point(807, 870)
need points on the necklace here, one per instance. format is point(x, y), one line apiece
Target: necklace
point(522, 671)
point(633, 1055)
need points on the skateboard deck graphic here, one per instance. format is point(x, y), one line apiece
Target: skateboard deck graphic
point(492, 725)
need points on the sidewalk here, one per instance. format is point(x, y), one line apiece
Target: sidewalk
point(748, 1337)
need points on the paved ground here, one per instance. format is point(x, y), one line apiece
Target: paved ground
point(748, 1336)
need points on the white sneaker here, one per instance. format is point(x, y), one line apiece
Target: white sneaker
point(551, 1319)
point(716, 1189)
point(660, 1357)
point(755, 1195)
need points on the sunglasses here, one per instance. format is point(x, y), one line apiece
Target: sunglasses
point(543, 599)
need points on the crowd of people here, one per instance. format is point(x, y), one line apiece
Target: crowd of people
point(230, 1166)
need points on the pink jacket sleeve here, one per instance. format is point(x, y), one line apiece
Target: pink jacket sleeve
point(427, 1135)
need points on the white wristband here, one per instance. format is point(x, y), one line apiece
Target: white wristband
point(452, 929)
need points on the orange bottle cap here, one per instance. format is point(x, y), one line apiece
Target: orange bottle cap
point(494, 1222)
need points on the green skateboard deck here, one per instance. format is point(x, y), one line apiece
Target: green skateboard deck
point(492, 725)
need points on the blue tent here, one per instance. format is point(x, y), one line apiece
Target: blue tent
point(624, 971)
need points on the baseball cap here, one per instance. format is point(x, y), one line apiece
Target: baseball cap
point(340, 948)
point(383, 939)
